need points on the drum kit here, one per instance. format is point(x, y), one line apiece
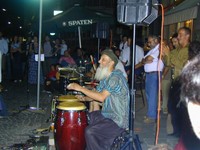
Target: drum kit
point(68, 114)
point(70, 120)
point(70, 75)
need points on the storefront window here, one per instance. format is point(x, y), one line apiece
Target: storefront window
point(173, 28)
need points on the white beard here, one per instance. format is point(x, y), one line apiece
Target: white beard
point(101, 73)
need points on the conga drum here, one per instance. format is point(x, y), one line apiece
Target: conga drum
point(70, 124)
point(67, 98)
point(58, 99)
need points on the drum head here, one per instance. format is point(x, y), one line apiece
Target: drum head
point(67, 98)
point(71, 106)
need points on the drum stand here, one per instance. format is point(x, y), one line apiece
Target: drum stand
point(65, 83)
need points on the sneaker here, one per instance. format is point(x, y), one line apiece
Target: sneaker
point(149, 120)
point(15, 81)
point(20, 81)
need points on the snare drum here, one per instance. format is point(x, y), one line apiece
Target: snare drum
point(70, 124)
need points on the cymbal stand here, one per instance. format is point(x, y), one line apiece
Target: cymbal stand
point(65, 82)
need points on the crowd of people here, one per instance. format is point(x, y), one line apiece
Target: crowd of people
point(175, 89)
point(20, 62)
point(177, 65)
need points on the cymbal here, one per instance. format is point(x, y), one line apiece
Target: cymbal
point(74, 78)
point(81, 68)
point(67, 69)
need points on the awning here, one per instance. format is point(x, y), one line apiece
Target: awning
point(187, 10)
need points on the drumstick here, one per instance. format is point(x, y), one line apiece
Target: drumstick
point(92, 60)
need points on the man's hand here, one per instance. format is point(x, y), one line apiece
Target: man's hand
point(165, 50)
point(147, 60)
point(83, 98)
point(74, 86)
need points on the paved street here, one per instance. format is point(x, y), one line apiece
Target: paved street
point(21, 123)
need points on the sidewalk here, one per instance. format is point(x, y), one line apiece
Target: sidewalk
point(18, 127)
point(22, 123)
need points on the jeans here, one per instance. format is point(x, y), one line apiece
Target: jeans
point(151, 91)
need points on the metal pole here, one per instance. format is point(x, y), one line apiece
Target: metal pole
point(39, 55)
point(132, 93)
point(134, 136)
point(133, 75)
point(79, 36)
point(98, 48)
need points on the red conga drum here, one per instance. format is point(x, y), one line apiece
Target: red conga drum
point(67, 98)
point(57, 100)
point(70, 124)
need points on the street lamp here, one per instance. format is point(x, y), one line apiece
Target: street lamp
point(56, 12)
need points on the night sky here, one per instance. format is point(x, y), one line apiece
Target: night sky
point(25, 12)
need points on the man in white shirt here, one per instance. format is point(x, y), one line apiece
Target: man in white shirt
point(119, 65)
point(139, 55)
point(63, 47)
point(123, 43)
point(48, 54)
point(125, 57)
point(153, 67)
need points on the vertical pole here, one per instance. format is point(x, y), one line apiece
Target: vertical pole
point(132, 93)
point(135, 137)
point(111, 38)
point(98, 49)
point(133, 71)
point(39, 55)
point(79, 36)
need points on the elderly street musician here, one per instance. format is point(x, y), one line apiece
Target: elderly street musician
point(113, 93)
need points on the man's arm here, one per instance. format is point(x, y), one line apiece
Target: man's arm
point(140, 64)
point(165, 71)
point(99, 96)
point(147, 60)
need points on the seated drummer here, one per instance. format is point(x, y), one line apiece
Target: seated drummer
point(113, 92)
